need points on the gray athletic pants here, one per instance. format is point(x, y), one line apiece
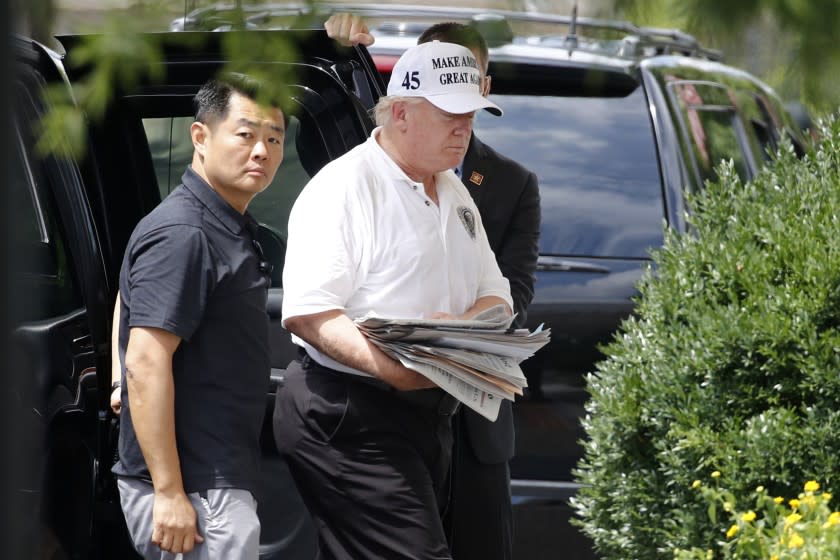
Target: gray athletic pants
point(227, 519)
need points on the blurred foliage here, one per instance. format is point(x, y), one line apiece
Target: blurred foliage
point(730, 363)
point(789, 43)
point(119, 55)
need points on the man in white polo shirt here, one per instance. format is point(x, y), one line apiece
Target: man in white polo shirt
point(387, 228)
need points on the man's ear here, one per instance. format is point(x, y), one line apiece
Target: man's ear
point(399, 113)
point(199, 133)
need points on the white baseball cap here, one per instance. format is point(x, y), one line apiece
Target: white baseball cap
point(445, 74)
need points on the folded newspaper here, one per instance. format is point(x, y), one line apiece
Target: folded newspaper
point(476, 360)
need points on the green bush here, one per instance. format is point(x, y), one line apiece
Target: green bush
point(731, 364)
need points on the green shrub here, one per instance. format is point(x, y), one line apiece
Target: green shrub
point(731, 364)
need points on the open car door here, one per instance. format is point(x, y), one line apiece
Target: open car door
point(59, 328)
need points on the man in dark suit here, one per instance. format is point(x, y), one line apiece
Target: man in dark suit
point(479, 520)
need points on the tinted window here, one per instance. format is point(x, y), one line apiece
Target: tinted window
point(761, 128)
point(597, 167)
point(43, 264)
point(31, 225)
point(171, 149)
point(711, 128)
point(715, 140)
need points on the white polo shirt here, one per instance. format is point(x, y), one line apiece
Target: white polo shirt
point(364, 237)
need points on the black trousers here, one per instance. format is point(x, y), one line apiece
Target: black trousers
point(479, 520)
point(371, 463)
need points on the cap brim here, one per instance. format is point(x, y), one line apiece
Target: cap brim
point(461, 103)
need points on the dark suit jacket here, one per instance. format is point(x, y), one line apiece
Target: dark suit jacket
point(508, 199)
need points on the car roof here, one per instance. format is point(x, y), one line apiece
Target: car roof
point(540, 41)
point(528, 35)
point(388, 48)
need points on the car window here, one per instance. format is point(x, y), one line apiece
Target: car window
point(596, 162)
point(31, 227)
point(171, 149)
point(762, 130)
point(712, 129)
point(323, 122)
point(43, 265)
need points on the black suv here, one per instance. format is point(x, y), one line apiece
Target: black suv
point(617, 122)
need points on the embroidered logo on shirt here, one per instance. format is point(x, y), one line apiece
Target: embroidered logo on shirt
point(476, 177)
point(468, 219)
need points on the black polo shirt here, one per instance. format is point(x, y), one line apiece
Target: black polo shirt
point(191, 268)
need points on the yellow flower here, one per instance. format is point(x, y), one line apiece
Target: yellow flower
point(826, 496)
point(696, 484)
point(727, 506)
point(759, 490)
point(795, 541)
point(833, 519)
point(778, 499)
point(812, 486)
point(774, 557)
point(794, 503)
point(792, 518)
point(749, 516)
point(732, 531)
point(716, 474)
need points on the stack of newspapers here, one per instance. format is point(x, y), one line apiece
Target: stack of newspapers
point(476, 360)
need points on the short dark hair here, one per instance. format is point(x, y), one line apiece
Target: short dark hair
point(458, 33)
point(213, 99)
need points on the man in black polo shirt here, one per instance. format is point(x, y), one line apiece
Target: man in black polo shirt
point(193, 338)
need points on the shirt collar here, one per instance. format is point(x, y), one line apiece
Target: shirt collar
point(213, 201)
